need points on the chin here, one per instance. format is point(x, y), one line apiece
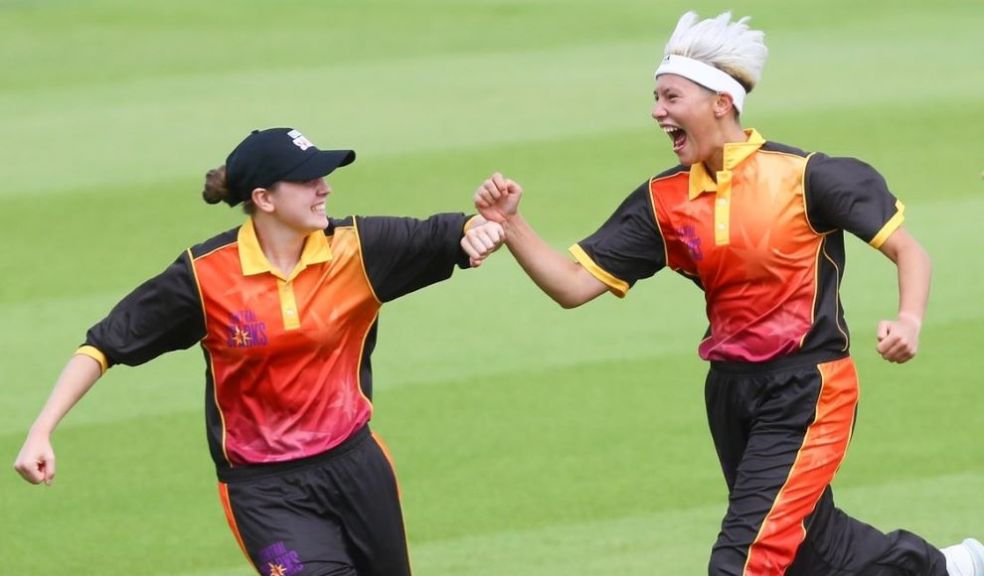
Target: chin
point(686, 160)
point(311, 226)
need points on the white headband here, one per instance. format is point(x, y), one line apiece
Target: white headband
point(704, 74)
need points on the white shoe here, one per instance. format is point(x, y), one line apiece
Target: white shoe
point(977, 552)
point(965, 559)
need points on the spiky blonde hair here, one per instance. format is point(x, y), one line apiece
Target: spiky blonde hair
point(731, 47)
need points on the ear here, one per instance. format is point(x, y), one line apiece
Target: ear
point(262, 200)
point(723, 105)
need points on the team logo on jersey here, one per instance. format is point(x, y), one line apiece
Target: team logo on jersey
point(279, 560)
point(246, 331)
point(689, 236)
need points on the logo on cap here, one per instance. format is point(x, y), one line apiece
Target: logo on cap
point(300, 140)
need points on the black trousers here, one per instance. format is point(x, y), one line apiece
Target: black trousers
point(335, 514)
point(781, 431)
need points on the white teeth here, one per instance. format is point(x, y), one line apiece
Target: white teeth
point(670, 129)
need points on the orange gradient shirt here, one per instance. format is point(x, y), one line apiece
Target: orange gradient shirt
point(288, 372)
point(763, 239)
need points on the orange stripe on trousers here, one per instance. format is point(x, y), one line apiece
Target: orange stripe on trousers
point(399, 493)
point(389, 458)
point(817, 461)
point(231, 519)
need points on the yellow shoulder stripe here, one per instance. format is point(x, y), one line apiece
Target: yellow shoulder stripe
point(615, 285)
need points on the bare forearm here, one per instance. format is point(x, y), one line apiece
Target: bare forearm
point(36, 460)
point(559, 276)
point(78, 376)
point(898, 340)
point(915, 272)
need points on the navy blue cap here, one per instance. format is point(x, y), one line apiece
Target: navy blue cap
point(266, 157)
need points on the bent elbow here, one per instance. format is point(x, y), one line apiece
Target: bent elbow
point(568, 303)
point(568, 300)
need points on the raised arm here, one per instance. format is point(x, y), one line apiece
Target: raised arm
point(898, 340)
point(560, 277)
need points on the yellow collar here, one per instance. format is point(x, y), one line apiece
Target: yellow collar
point(253, 261)
point(734, 154)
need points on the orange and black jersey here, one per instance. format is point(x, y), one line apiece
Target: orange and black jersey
point(764, 240)
point(288, 371)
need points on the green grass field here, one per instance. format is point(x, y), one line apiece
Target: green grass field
point(529, 440)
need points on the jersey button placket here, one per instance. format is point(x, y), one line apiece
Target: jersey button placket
point(288, 305)
point(722, 209)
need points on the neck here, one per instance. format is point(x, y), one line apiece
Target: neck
point(729, 132)
point(281, 245)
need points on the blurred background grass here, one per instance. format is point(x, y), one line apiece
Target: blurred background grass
point(528, 439)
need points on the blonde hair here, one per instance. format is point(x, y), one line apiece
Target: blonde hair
point(731, 47)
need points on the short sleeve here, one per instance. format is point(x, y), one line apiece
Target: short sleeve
point(847, 194)
point(161, 315)
point(402, 255)
point(628, 247)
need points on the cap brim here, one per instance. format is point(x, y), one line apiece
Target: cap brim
point(320, 164)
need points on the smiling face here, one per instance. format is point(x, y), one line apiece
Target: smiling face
point(301, 205)
point(688, 113)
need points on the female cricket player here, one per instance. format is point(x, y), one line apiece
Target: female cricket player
point(285, 310)
point(759, 227)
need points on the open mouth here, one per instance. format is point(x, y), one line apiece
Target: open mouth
point(677, 135)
